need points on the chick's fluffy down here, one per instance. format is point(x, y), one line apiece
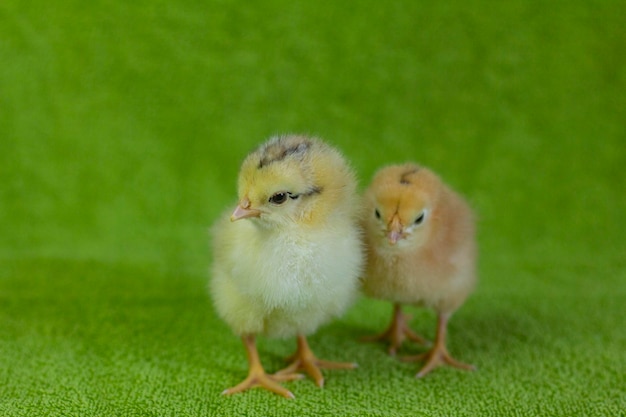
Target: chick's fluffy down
point(290, 285)
point(295, 264)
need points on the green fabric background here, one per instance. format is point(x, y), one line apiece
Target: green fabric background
point(122, 127)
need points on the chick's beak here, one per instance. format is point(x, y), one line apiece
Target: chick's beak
point(243, 211)
point(395, 230)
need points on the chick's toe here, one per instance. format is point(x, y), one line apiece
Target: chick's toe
point(305, 360)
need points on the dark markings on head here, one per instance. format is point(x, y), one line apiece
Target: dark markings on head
point(277, 151)
point(404, 178)
point(310, 192)
point(313, 191)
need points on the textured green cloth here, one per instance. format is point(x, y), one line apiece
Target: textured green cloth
point(122, 127)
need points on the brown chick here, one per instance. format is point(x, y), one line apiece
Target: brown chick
point(421, 244)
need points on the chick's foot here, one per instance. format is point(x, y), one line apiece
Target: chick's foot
point(257, 377)
point(397, 332)
point(438, 355)
point(305, 360)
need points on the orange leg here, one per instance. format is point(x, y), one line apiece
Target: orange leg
point(438, 355)
point(257, 376)
point(304, 359)
point(397, 332)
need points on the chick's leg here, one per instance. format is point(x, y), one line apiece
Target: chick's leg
point(397, 332)
point(438, 355)
point(304, 359)
point(257, 376)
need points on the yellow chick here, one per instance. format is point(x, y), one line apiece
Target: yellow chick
point(420, 239)
point(289, 257)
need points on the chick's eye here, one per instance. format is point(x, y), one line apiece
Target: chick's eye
point(278, 198)
point(377, 214)
point(420, 218)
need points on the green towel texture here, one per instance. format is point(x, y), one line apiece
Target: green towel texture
point(122, 128)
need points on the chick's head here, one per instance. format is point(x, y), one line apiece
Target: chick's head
point(401, 206)
point(293, 180)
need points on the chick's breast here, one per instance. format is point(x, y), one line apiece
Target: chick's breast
point(315, 281)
